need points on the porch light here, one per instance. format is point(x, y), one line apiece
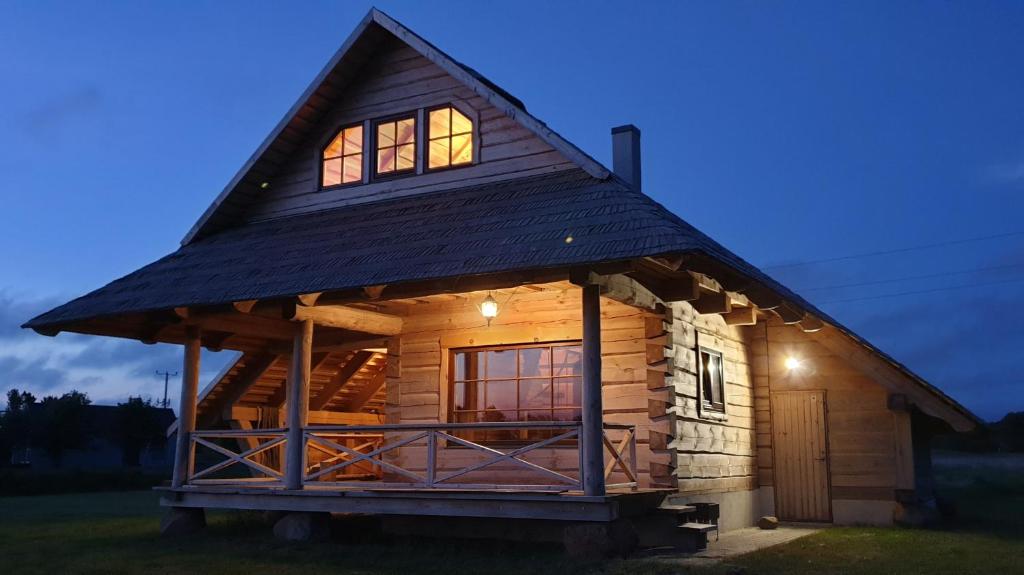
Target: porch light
point(489, 308)
point(793, 363)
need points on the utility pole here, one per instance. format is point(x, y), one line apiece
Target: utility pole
point(167, 376)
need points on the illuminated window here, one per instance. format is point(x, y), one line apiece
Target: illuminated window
point(343, 158)
point(451, 139)
point(541, 382)
point(712, 382)
point(396, 146)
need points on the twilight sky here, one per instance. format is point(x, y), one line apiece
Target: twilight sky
point(797, 134)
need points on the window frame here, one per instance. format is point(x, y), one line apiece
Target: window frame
point(450, 385)
point(321, 160)
point(376, 176)
point(473, 134)
point(708, 406)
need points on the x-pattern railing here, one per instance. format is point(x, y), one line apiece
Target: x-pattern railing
point(359, 452)
point(266, 439)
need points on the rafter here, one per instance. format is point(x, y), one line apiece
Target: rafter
point(351, 367)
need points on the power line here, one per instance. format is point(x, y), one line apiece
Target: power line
point(894, 251)
point(933, 290)
point(918, 277)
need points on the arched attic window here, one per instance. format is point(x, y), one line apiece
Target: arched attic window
point(343, 158)
point(450, 139)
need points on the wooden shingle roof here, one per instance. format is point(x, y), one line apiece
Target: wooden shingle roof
point(521, 224)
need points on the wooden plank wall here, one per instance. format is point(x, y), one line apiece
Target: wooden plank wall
point(712, 454)
point(864, 454)
point(395, 81)
point(420, 393)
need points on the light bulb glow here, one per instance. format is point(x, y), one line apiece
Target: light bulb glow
point(489, 308)
point(793, 363)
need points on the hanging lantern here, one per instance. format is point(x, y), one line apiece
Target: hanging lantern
point(489, 308)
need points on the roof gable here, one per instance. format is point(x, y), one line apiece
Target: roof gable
point(243, 197)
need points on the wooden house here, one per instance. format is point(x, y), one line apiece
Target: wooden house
point(444, 308)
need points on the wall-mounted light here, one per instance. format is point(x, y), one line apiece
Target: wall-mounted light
point(793, 363)
point(489, 308)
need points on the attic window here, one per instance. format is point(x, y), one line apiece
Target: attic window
point(396, 146)
point(451, 139)
point(343, 158)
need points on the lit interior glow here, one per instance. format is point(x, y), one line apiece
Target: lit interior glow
point(793, 363)
point(396, 146)
point(451, 139)
point(343, 158)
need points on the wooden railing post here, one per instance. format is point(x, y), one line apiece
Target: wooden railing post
point(298, 406)
point(185, 449)
point(592, 438)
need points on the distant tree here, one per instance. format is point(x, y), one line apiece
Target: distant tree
point(1008, 433)
point(15, 423)
point(138, 425)
point(62, 424)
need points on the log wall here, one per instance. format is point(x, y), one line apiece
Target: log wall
point(870, 454)
point(418, 389)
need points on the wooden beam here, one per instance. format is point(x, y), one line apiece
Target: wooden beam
point(214, 340)
point(712, 302)
point(183, 454)
point(366, 394)
point(374, 292)
point(309, 299)
point(298, 407)
point(789, 313)
point(741, 316)
point(332, 387)
point(810, 324)
point(241, 324)
point(622, 289)
point(592, 429)
point(254, 368)
point(277, 399)
point(348, 318)
point(243, 413)
point(245, 306)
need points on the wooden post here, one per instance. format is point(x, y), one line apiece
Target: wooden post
point(298, 406)
point(184, 449)
point(592, 438)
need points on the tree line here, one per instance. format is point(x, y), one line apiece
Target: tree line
point(58, 424)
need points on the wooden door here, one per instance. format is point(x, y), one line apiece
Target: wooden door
point(800, 446)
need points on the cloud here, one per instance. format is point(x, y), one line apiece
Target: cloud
point(1011, 172)
point(53, 114)
point(107, 369)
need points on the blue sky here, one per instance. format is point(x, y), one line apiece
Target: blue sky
point(790, 132)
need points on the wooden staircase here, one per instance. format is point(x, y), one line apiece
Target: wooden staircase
point(674, 526)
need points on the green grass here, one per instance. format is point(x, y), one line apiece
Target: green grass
point(118, 533)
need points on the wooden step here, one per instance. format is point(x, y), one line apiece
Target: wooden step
point(677, 509)
point(699, 527)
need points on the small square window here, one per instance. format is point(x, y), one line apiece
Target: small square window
point(396, 146)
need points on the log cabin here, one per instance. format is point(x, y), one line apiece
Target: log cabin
point(444, 309)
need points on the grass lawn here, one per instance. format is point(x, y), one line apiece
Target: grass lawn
point(117, 533)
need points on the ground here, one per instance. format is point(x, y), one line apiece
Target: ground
point(117, 533)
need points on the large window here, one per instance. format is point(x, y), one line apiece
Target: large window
point(712, 381)
point(451, 139)
point(516, 383)
point(343, 158)
point(396, 146)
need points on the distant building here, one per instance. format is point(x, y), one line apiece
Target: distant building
point(104, 450)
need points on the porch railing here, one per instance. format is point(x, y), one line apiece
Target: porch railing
point(340, 455)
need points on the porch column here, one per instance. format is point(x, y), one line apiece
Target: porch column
point(298, 406)
point(593, 421)
point(183, 459)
